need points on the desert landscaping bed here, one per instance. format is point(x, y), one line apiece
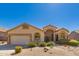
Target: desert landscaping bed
point(39, 51)
point(55, 51)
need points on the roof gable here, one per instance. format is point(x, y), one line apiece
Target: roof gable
point(62, 29)
point(2, 30)
point(50, 26)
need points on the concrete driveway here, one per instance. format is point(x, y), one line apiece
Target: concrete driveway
point(6, 50)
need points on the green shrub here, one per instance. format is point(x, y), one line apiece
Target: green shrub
point(50, 44)
point(18, 49)
point(32, 44)
point(42, 44)
point(73, 43)
point(62, 41)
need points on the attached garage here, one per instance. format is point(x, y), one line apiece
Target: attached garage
point(20, 39)
point(23, 34)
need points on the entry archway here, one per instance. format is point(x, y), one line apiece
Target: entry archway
point(49, 35)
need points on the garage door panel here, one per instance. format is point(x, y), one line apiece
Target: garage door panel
point(20, 39)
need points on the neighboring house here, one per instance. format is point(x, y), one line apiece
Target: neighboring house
point(3, 35)
point(74, 35)
point(25, 33)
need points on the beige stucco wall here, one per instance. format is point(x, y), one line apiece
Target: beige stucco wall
point(31, 30)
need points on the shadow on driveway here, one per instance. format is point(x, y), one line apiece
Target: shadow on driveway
point(11, 47)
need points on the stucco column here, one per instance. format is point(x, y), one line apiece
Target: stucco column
point(54, 37)
point(58, 36)
point(32, 37)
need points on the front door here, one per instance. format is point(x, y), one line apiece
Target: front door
point(56, 37)
point(52, 37)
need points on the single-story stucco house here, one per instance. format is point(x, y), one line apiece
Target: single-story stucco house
point(25, 33)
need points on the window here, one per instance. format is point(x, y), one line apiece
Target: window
point(62, 35)
point(56, 37)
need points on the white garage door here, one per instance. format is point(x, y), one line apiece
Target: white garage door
point(20, 39)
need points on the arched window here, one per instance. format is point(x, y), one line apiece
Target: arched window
point(37, 37)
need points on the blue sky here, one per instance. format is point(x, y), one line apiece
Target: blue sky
point(39, 15)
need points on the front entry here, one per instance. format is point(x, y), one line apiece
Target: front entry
point(49, 35)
